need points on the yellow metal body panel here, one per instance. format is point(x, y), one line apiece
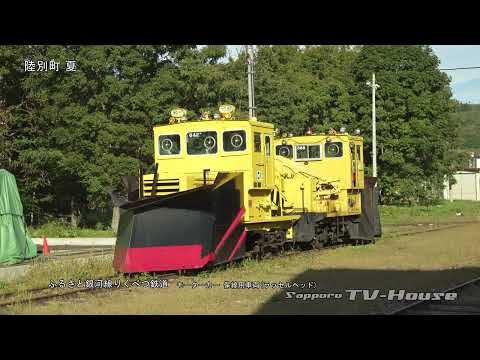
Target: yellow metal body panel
point(182, 170)
point(274, 189)
point(278, 222)
point(323, 184)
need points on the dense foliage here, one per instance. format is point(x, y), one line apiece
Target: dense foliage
point(468, 118)
point(68, 136)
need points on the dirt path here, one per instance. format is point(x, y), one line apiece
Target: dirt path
point(422, 262)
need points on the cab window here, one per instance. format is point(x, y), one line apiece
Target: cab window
point(202, 143)
point(257, 142)
point(307, 152)
point(314, 152)
point(284, 150)
point(169, 144)
point(359, 153)
point(301, 152)
point(234, 140)
point(333, 149)
point(267, 145)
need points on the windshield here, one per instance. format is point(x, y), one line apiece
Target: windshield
point(333, 149)
point(202, 142)
point(308, 152)
point(284, 150)
point(169, 144)
point(234, 140)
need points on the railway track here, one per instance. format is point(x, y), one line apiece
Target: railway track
point(42, 294)
point(426, 229)
point(467, 302)
point(61, 256)
point(81, 253)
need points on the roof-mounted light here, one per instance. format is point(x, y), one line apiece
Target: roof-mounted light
point(206, 115)
point(178, 115)
point(227, 111)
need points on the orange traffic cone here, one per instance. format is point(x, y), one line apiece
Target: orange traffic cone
point(46, 250)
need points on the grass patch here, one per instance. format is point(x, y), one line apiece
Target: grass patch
point(42, 272)
point(445, 211)
point(3, 285)
point(403, 262)
point(58, 229)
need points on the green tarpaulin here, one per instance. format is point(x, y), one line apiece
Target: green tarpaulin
point(15, 243)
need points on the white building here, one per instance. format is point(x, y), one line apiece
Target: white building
point(475, 163)
point(467, 186)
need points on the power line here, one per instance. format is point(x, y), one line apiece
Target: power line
point(462, 68)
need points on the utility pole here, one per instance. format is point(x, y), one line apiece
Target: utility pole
point(251, 88)
point(374, 87)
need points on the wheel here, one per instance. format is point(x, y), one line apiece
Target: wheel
point(316, 244)
point(289, 246)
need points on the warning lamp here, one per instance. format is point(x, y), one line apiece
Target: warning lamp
point(178, 115)
point(227, 111)
point(357, 132)
point(206, 115)
point(290, 135)
point(309, 131)
point(343, 129)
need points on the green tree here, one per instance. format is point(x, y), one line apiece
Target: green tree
point(70, 136)
point(300, 87)
point(76, 133)
point(415, 132)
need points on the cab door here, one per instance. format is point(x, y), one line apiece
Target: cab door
point(268, 146)
point(357, 169)
point(259, 168)
point(354, 166)
point(360, 165)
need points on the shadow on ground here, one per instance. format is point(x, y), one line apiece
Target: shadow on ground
point(338, 281)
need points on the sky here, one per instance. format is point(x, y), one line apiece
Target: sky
point(465, 83)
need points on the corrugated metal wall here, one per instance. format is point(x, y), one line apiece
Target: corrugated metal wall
point(466, 188)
